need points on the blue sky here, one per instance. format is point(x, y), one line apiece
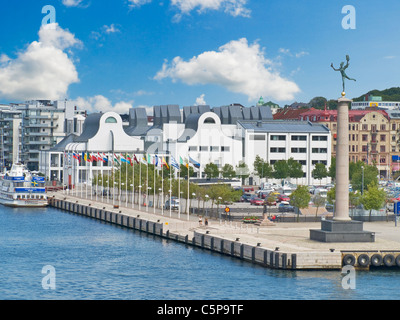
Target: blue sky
point(123, 53)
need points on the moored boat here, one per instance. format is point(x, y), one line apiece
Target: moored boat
point(19, 188)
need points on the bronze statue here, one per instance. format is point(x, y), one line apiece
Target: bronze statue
point(342, 69)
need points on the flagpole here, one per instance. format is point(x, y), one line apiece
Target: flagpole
point(170, 189)
point(108, 177)
point(119, 191)
point(188, 203)
point(154, 186)
point(126, 183)
point(140, 181)
point(179, 193)
point(162, 188)
point(133, 182)
point(147, 186)
point(113, 182)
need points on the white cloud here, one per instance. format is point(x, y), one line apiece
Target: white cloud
point(233, 7)
point(301, 54)
point(237, 66)
point(110, 29)
point(138, 3)
point(101, 103)
point(71, 3)
point(200, 100)
point(43, 70)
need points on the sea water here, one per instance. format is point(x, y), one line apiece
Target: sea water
point(52, 254)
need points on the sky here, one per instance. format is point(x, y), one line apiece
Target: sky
point(114, 55)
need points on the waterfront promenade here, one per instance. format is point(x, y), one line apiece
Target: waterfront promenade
point(281, 237)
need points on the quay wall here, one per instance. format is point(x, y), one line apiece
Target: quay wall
point(203, 239)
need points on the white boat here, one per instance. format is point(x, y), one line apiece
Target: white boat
point(19, 188)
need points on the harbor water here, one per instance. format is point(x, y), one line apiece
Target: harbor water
point(90, 259)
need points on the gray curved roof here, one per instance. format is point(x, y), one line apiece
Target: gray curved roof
point(191, 126)
point(90, 127)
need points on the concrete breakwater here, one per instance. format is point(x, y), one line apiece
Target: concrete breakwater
point(202, 238)
point(278, 247)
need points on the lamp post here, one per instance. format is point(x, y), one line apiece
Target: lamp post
point(362, 180)
point(218, 213)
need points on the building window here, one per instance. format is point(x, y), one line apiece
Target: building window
point(319, 150)
point(225, 149)
point(383, 127)
point(382, 149)
point(383, 137)
point(364, 137)
point(203, 148)
point(209, 120)
point(299, 150)
point(320, 138)
point(299, 138)
point(111, 120)
point(365, 127)
point(192, 148)
point(280, 138)
point(257, 137)
point(214, 148)
point(277, 150)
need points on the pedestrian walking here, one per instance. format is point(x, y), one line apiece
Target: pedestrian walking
point(200, 221)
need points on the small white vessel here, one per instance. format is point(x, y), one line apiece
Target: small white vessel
point(19, 188)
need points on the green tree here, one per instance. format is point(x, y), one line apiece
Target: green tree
point(356, 175)
point(281, 169)
point(300, 198)
point(242, 171)
point(332, 169)
point(319, 172)
point(263, 169)
point(211, 170)
point(318, 103)
point(295, 169)
point(318, 202)
point(373, 198)
point(184, 171)
point(228, 171)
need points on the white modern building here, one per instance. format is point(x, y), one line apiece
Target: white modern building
point(221, 135)
point(306, 142)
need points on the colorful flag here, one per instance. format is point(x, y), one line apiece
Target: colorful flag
point(155, 160)
point(194, 163)
point(100, 158)
point(164, 163)
point(174, 163)
point(136, 159)
point(123, 159)
point(116, 159)
point(75, 156)
point(181, 161)
point(129, 159)
point(143, 159)
point(148, 159)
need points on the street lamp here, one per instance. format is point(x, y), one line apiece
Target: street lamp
point(219, 202)
point(362, 180)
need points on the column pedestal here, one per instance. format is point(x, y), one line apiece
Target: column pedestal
point(342, 228)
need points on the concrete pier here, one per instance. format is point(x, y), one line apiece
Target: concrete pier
point(283, 246)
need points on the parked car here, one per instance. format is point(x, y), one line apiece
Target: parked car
point(285, 207)
point(270, 201)
point(245, 197)
point(256, 201)
point(282, 197)
point(174, 204)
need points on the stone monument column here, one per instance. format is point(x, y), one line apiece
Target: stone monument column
point(342, 161)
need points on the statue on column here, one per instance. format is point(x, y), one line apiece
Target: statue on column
point(342, 69)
